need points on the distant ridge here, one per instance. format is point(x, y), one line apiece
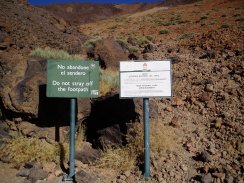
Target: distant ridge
point(79, 13)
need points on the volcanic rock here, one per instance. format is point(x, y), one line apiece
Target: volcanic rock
point(109, 53)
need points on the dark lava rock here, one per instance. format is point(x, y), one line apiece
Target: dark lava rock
point(87, 154)
point(205, 156)
point(84, 177)
point(109, 52)
point(37, 174)
point(207, 178)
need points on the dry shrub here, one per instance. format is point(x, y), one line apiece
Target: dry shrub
point(23, 150)
point(51, 53)
point(118, 160)
point(109, 80)
point(162, 139)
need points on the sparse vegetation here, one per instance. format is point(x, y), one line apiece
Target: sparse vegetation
point(162, 140)
point(237, 15)
point(187, 35)
point(50, 53)
point(164, 31)
point(112, 27)
point(204, 17)
point(132, 49)
point(118, 160)
point(122, 42)
point(109, 80)
point(240, 19)
point(142, 40)
point(89, 44)
point(167, 23)
point(224, 26)
point(150, 38)
point(23, 150)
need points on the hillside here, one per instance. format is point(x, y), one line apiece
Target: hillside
point(26, 27)
point(196, 136)
point(80, 13)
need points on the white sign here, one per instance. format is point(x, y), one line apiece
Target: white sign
point(145, 79)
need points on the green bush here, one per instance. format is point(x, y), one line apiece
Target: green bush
point(112, 27)
point(49, 53)
point(164, 31)
point(122, 42)
point(187, 35)
point(237, 15)
point(132, 49)
point(224, 26)
point(142, 40)
point(204, 17)
point(150, 38)
point(240, 19)
point(168, 23)
point(91, 42)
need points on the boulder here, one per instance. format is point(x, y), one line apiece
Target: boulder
point(109, 53)
point(84, 177)
point(12, 71)
point(86, 154)
point(23, 91)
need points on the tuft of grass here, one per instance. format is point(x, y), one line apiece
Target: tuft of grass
point(167, 23)
point(162, 139)
point(204, 17)
point(240, 19)
point(183, 21)
point(109, 80)
point(187, 35)
point(132, 49)
point(50, 53)
point(23, 150)
point(112, 27)
point(241, 27)
point(164, 31)
point(89, 44)
point(119, 160)
point(122, 42)
point(237, 15)
point(148, 37)
point(142, 40)
point(224, 26)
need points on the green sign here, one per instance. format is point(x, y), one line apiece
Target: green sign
point(71, 79)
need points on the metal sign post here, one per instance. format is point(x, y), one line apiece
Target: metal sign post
point(146, 138)
point(72, 79)
point(72, 137)
point(145, 79)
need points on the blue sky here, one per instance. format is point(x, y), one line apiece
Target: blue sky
point(45, 2)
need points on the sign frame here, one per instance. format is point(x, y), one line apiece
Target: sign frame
point(133, 71)
point(83, 73)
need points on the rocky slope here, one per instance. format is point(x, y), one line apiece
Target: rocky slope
point(206, 48)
